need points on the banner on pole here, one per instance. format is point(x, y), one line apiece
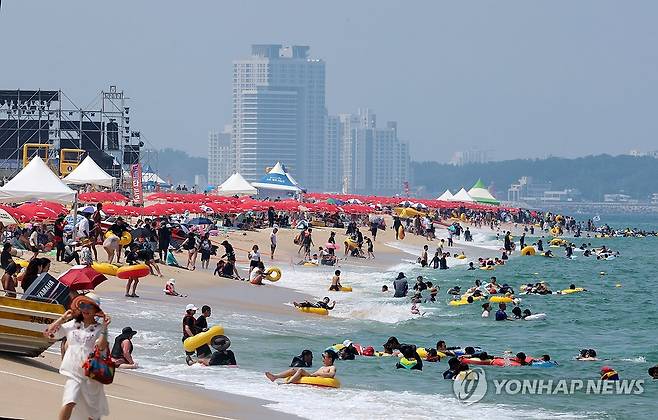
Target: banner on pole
point(136, 174)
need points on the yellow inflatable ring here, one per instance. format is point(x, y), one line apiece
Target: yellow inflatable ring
point(528, 250)
point(500, 299)
point(464, 300)
point(570, 291)
point(461, 257)
point(196, 341)
point(310, 264)
point(488, 267)
point(319, 381)
point(350, 244)
point(422, 352)
point(126, 237)
point(21, 262)
point(105, 268)
point(343, 289)
point(311, 310)
point(273, 274)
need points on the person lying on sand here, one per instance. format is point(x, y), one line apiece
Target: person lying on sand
point(293, 375)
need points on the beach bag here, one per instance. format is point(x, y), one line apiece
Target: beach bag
point(99, 366)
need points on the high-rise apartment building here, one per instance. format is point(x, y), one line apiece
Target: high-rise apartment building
point(374, 160)
point(220, 156)
point(279, 114)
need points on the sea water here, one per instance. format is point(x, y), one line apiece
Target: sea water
point(619, 322)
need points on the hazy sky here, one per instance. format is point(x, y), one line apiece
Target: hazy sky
point(523, 78)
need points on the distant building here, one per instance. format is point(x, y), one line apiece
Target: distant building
point(279, 113)
point(616, 198)
point(220, 156)
point(374, 160)
point(638, 153)
point(333, 175)
point(529, 191)
point(467, 157)
point(201, 182)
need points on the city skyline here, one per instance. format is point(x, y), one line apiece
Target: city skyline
point(457, 77)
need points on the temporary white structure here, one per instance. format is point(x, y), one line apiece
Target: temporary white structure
point(277, 179)
point(462, 196)
point(480, 193)
point(88, 172)
point(446, 196)
point(36, 182)
point(236, 185)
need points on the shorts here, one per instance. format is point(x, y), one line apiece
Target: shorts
point(333, 287)
point(253, 263)
point(88, 396)
point(272, 247)
point(11, 269)
point(205, 255)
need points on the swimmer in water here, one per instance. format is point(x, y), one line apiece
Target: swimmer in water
point(335, 282)
point(324, 303)
point(293, 375)
point(384, 289)
point(587, 355)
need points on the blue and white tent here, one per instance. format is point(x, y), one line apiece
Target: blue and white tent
point(278, 179)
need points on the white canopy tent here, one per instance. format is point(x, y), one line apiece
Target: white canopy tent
point(446, 196)
point(36, 182)
point(236, 185)
point(88, 172)
point(462, 196)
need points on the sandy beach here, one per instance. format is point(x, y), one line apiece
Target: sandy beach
point(136, 395)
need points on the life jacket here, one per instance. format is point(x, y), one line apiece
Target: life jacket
point(407, 363)
point(611, 375)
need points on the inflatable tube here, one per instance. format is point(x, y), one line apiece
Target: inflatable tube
point(273, 274)
point(535, 317)
point(329, 245)
point(309, 264)
point(570, 291)
point(401, 232)
point(499, 361)
point(528, 250)
point(350, 244)
point(488, 267)
point(461, 257)
point(543, 364)
point(105, 268)
point(133, 271)
point(407, 363)
point(196, 341)
point(556, 241)
point(343, 289)
point(500, 299)
point(125, 239)
point(475, 361)
point(464, 301)
point(311, 310)
point(318, 381)
point(20, 262)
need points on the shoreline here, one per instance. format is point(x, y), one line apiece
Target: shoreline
point(132, 395)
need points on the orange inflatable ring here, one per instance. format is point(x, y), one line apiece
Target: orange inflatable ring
point(133, 271)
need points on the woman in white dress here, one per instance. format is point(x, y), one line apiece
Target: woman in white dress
point(83, 332)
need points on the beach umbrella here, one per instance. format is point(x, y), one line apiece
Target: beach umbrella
point(81, 277)
point(87, 209)
point(200, 221)
point(9, 215)
point(354, 201)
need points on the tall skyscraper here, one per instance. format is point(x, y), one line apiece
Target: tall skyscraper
point(374, 159)
point(279, 114)
point(220, 156)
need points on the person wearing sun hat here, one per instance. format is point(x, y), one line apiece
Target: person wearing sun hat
point(189, 328)
point(83, 333)
point(122, 349)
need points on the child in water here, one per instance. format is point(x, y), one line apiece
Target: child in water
point(293, 375)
